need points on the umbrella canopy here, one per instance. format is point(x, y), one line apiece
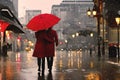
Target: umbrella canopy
point(42, 21)
point(3, 25)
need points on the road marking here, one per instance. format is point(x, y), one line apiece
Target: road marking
point(115, 63)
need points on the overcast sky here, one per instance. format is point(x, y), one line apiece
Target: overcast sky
point(44, 5)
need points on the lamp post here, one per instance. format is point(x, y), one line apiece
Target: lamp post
point(96, 13)
point(118, 23)
point(66, 41)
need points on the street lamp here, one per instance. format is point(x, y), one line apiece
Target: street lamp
point(73, 35)
point(96, 13)
point(66, 42)
point(92, 12)
point(77, 34)
point(91, 34)
point(89, 13)
point(118, 23)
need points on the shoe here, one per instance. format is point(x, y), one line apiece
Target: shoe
point(50, 71)
point(38, 73)
point(38, 69)
point(42, 72)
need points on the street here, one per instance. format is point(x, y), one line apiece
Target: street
point(71, 65)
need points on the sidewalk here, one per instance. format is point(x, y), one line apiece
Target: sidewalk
point(72, 65)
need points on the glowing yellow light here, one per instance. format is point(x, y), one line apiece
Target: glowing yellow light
point(117, 20)
point(89, 12)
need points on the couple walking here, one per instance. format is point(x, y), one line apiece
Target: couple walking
point(46, 40)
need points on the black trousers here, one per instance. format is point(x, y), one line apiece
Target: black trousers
point(50, 62)
point(41, 61)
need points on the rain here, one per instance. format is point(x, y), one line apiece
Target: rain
point(88, 39)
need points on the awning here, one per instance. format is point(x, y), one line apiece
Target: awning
point(7, 15)
point(15, 27)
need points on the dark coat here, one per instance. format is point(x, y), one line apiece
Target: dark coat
point(40, 46)
point(5, 49)
point(50, 47)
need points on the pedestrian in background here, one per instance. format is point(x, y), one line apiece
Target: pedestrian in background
point(90, 51)
point(40, 48)
point(4, 48)
point(51, 47)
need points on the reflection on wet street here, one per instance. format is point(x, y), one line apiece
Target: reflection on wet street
point(68, 65)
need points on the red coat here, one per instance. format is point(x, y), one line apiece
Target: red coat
point(50, 47)
point(40, 46)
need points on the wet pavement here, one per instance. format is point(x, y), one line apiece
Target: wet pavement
point(71, 65)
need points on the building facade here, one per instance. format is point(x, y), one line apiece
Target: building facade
point(73, 15)
point(15, 4)
point(73, 19)
point(31, 13)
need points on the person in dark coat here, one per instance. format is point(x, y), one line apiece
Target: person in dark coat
point(50, 52)
point(39, 50)
point(4, 48)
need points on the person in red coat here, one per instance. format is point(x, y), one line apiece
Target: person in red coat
point(40, 48)
point(50, 52)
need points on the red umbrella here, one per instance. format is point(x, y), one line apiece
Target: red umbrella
point(3, 25)
point(42, 21)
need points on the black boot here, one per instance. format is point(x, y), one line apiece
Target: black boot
point(39, 68)
point(50, 64)
point(42, 72)
point(43, 65)
point(39, 63)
